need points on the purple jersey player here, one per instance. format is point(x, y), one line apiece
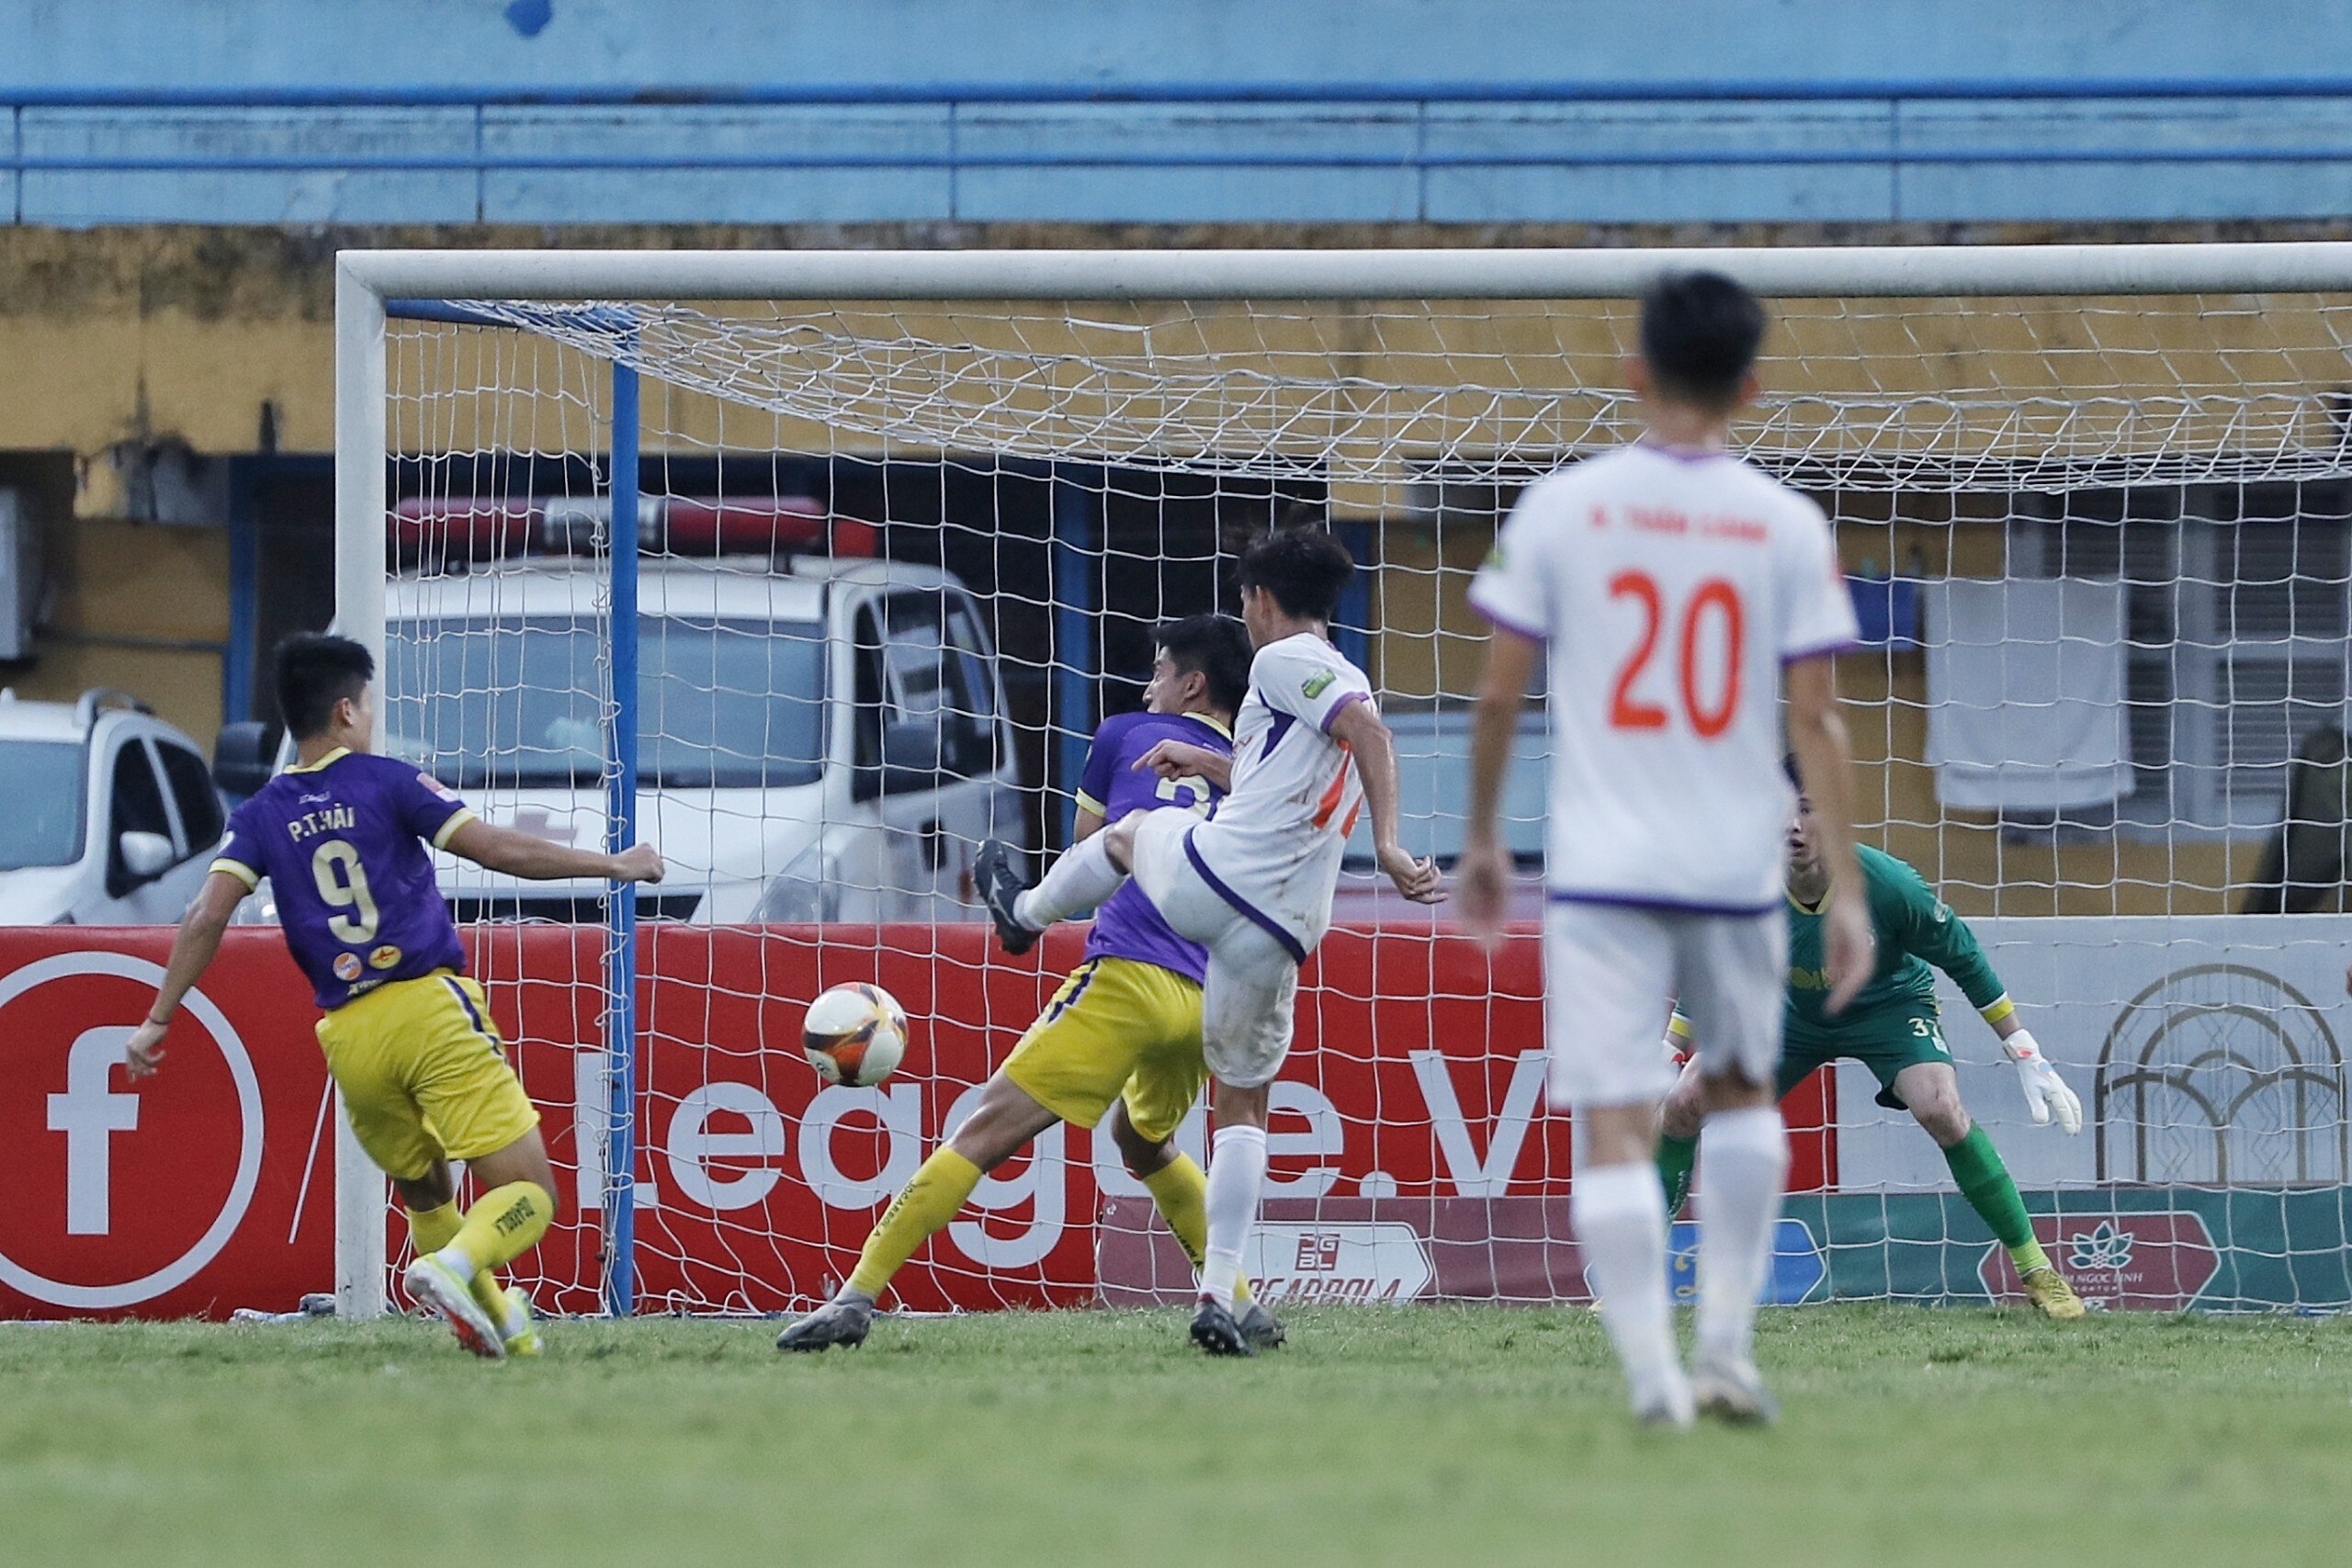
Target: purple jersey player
point(342, 842)
point(408, 1037)
point(1117, 780)
point(1121, 1036)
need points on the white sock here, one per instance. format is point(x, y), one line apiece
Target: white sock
point(1080, 879)
point(1236, 1170)
point(1744, 1155)
point(1619, 1212)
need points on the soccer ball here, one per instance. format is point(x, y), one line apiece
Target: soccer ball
point(855, 1034)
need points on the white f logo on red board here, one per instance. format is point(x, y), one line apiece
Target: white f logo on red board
point(88, 1113)
point(94, 1115)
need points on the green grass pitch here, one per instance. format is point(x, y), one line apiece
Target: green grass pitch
point(1409, 1436)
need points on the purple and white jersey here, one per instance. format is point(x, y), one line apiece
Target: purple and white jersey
point(342, 844)
point(1274, 849)
point(1127, 925)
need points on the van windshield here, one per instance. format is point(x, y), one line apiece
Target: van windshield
point(722, 704)
point(42, 781)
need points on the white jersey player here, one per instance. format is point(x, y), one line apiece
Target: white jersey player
point(1676, 587)
point(1253, 883)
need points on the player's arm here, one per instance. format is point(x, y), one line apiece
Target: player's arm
point(1817, 735)
point(1362, 731)
point(1482, 874)
point(1943, 938)
point(1181, 760)
point(535, 860)
point(192, 953)
point(1085, 825)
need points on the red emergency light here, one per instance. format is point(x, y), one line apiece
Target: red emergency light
point(456, 528)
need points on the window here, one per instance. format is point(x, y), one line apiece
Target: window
point(43, 784)
point(722, 704)
point(927, 663)
point(2238, 618)
point(193, 793)
point(138, 808)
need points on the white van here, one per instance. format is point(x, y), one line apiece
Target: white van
point(825, 740)
point(112, 818)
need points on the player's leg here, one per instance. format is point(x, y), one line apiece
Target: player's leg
point(457, 1072)
point(1930, 1090)
point(1607, 974)
point(369, 1048)
point(1731, 970)
point(1082, 877)
point(1000, 1126)
point(1068, 1065)
point(1170, 1073)
point(1685, 1110)
point(1679, 1121)
point(1246, 1005)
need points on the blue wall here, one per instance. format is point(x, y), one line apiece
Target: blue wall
point(1407, 150)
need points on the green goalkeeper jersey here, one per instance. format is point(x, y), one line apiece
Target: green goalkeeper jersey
point(1915, 929)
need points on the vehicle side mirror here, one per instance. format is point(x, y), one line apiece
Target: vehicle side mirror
point(911, 757)
point(241, 759)
point(145, 856)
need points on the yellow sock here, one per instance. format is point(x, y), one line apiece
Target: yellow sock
point(430, 1230)
point(2028, 1257)
point(1182, 1191)
point(922, 1206)
point(504, 1223)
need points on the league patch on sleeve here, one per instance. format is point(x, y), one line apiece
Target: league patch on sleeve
point(437, 787)
point(1314, 685)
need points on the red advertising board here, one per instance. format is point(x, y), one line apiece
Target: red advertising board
point(1418, 1077)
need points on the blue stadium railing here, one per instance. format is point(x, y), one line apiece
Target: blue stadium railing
point(1403, 112)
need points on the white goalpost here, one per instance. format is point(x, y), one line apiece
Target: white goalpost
point(817, 567)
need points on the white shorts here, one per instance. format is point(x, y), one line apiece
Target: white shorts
point(1251, 991)
point(1611, 974)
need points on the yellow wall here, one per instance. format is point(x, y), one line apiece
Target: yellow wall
point(123, 588)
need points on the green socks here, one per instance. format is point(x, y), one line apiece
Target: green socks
point(1677, 1157)
point(1984, 1181)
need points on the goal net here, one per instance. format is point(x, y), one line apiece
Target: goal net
point(897, 532)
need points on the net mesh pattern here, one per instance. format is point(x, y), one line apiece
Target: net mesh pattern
point(2102, 551)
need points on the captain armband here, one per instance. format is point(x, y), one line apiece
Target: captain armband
point(1996, 1010)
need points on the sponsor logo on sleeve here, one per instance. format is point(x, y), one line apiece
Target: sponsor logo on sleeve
point(383, 957)
point(1314, 685)
point(436, 786)
point(347, 966)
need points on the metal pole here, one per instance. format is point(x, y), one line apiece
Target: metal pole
point(620, 832)
point(1076, 555)
point(359, 507)
point(1810, 272)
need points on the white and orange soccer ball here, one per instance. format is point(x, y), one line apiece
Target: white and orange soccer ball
point(855, 1034)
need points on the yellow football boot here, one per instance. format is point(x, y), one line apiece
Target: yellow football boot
point(2052, 1296)
point(523, 1340)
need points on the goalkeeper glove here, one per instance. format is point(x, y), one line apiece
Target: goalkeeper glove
point(2045, 1091)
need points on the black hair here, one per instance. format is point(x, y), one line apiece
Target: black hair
point(1700, 331)
point(314, 673)
point(1789, 766)
point(1217, 646)
point(1304, 569)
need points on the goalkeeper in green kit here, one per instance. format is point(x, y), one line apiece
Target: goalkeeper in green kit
point(1892, 1028)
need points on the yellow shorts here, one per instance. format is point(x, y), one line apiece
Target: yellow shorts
point(1116, 1026)
point(423, 1075)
